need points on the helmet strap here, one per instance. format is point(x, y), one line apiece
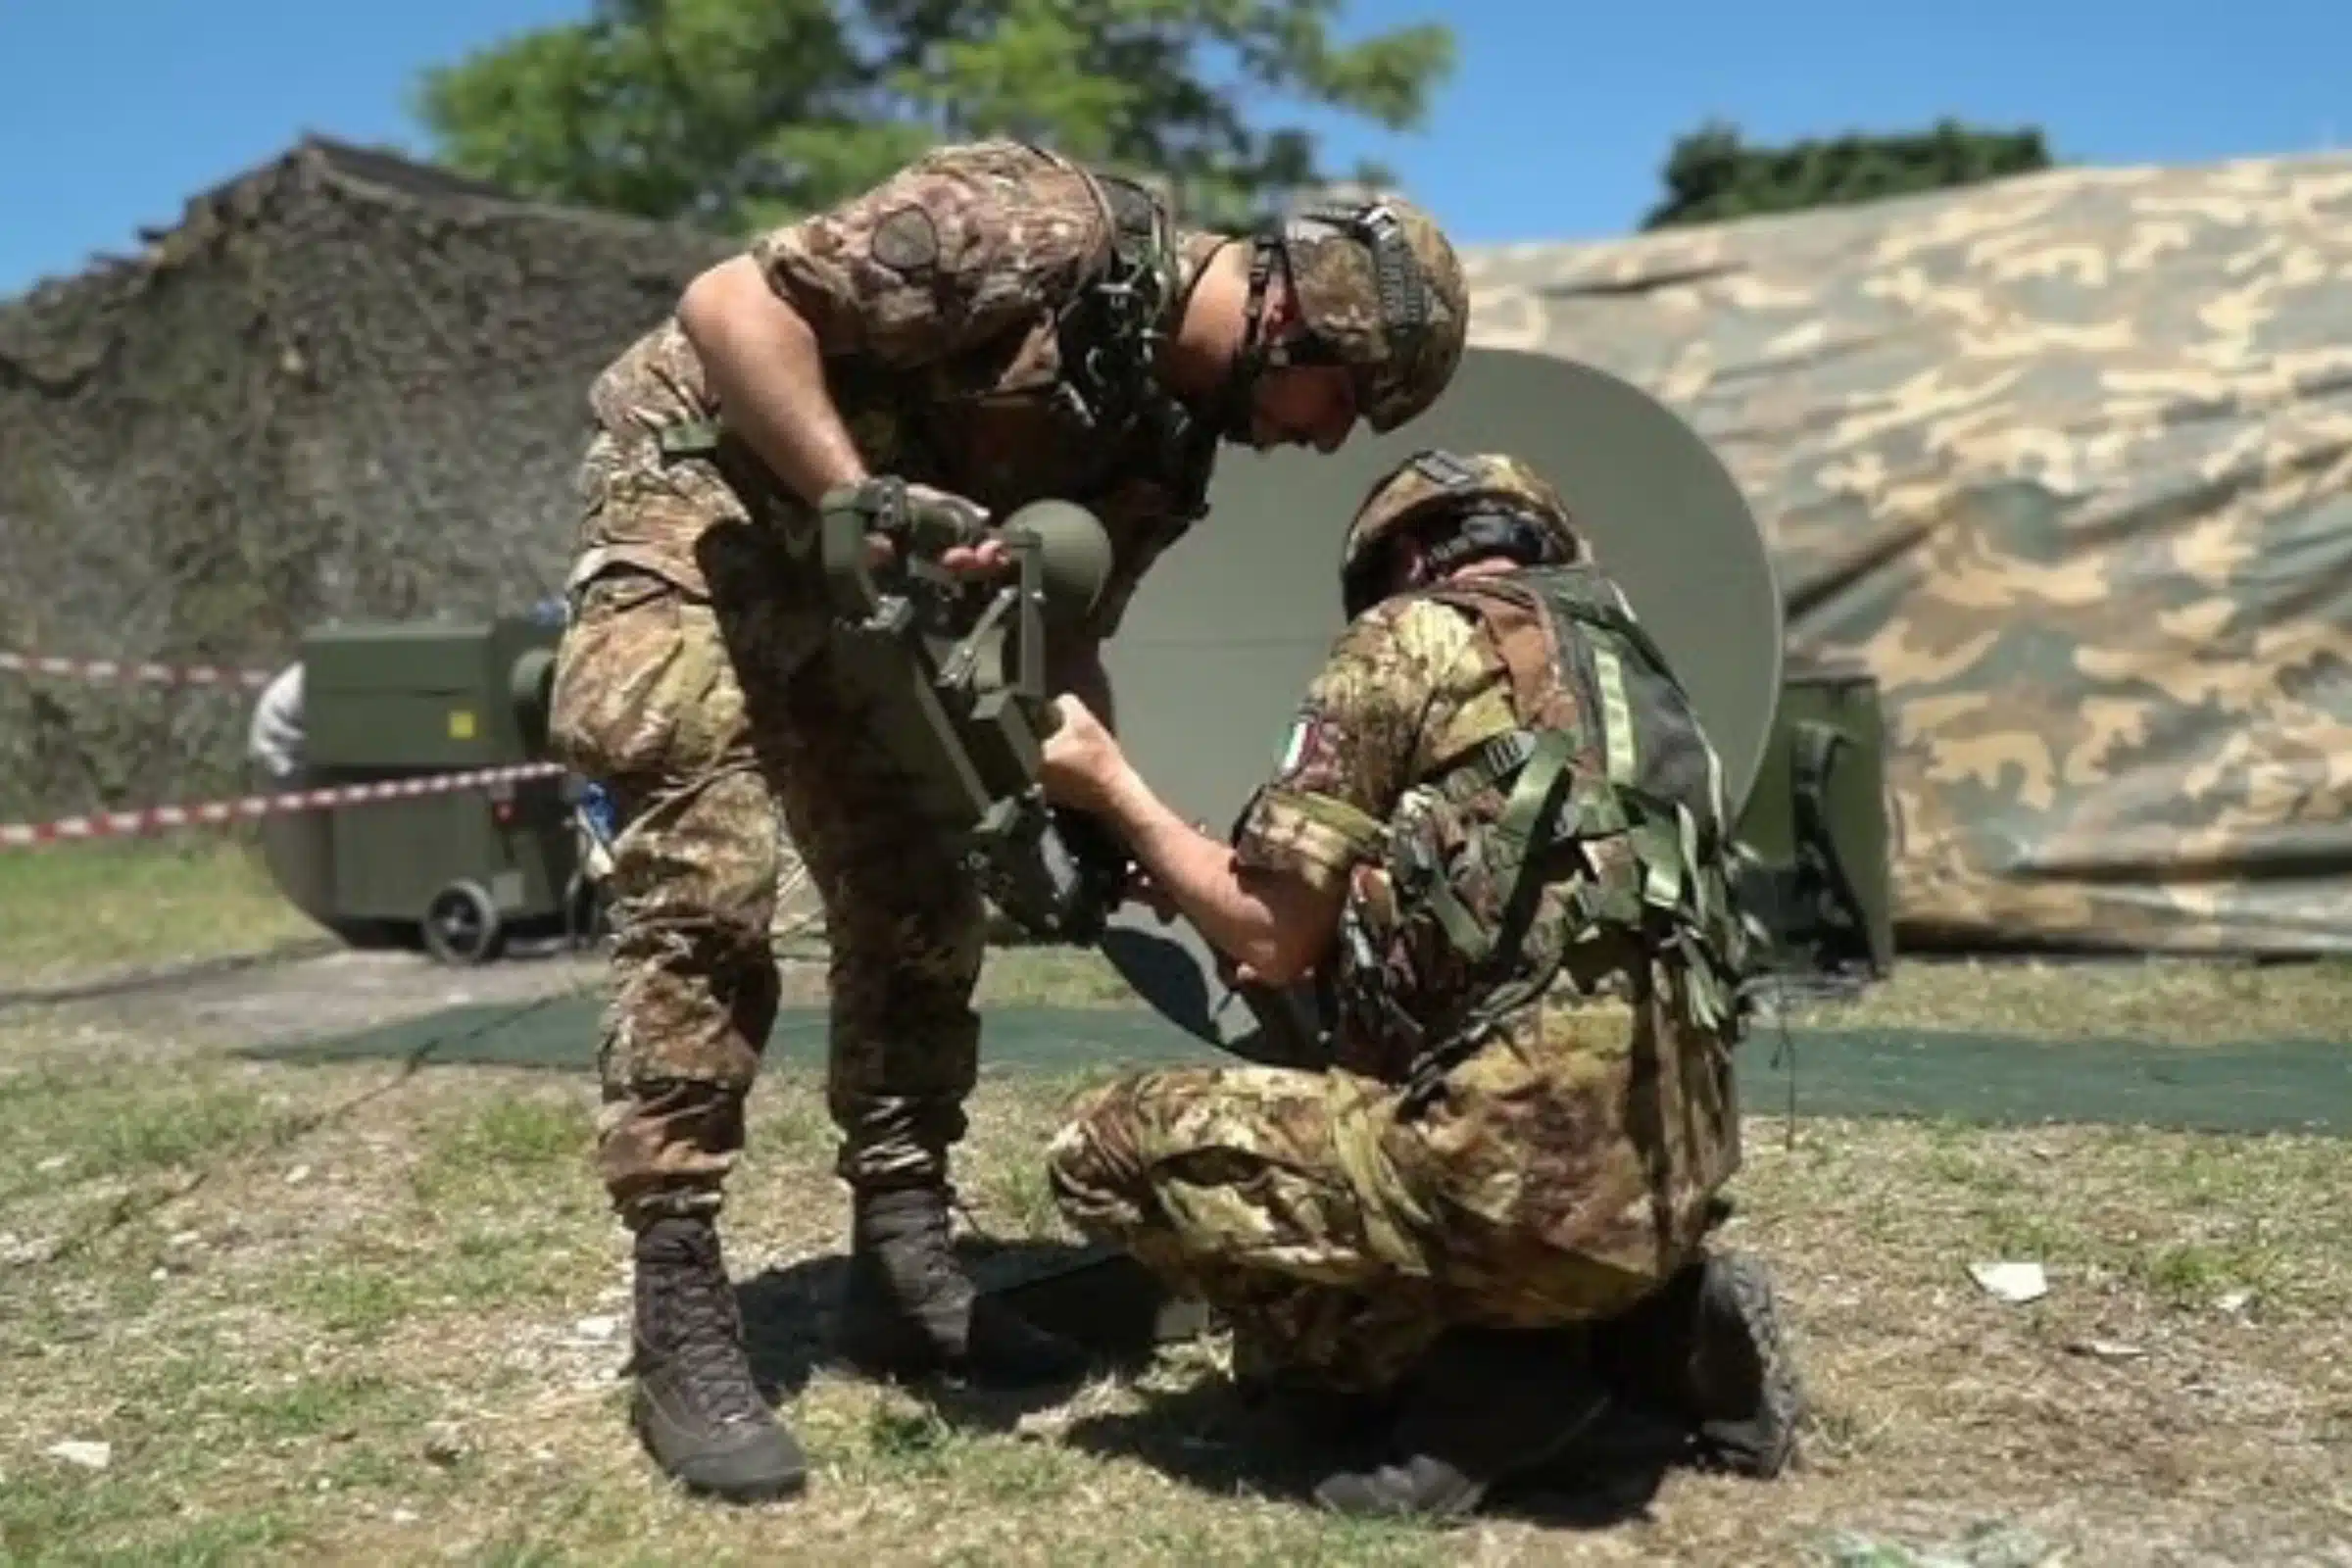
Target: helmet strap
point(1491, 531)
point(1403, 291)
point(1485, 531)
point(1236, 401)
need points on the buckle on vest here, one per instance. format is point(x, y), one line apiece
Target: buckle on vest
point(688, 438)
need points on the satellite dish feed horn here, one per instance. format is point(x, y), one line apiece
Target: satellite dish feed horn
point(1235, 620)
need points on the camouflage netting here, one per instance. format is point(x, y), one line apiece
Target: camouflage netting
point(2065, 462)
point(343, 386)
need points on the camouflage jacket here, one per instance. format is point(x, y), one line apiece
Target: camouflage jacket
point(951, 303)
point(1462, 734)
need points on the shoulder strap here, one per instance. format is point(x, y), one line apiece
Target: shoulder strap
point(1524, 637)
point(1535, 760)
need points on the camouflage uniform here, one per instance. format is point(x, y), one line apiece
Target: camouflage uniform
point(950, 305)
point(1561, 1171)
point(695, 681)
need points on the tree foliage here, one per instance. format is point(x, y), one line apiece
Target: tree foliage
point(739, 113)
point(1711, 175)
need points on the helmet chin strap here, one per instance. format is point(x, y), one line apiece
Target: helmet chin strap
point(1403, 303)
point(1253, 357)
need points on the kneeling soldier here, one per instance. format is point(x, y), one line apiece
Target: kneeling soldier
point(1497, 834)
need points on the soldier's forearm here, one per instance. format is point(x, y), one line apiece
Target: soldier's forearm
point(1278, 925)
point(765, 365)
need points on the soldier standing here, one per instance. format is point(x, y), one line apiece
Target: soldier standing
point(1498, 836)
point(993, 324)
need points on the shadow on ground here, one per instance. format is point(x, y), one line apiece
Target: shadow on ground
point(1210, 1435)
point(1223, 1442)
point(1099, 1298)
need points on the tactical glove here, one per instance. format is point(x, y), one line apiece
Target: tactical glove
point(913, 517)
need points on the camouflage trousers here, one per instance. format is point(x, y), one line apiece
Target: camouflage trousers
point(715, 721)
point(1341, 1235)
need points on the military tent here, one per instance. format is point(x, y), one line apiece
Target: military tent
point(2065, 462)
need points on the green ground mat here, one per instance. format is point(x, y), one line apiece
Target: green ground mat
point(2248, 1087)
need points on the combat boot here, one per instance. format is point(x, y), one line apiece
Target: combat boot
point(1709, 1347)
point(908, 1312)
point(1484, 1405)
point(695, 1406)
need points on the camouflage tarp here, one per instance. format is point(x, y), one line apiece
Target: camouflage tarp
point(343, 384)
point(2065, 462)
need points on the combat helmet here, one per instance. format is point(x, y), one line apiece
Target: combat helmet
point(1378, 289)
point(1465, 505)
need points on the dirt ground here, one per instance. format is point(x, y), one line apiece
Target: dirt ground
point(346, 1313)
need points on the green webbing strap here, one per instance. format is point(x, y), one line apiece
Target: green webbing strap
point(1542, 760)
point(1686, 848)
point(1707, 1000)
point(1535, 800)
point(1715, 799)
point(1462, 928)
point(1659, 844)
point(1527, 824)
point(689, 438)
point(1599, 809)
point(1617, 714)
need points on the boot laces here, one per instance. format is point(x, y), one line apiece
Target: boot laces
point(708, 1344)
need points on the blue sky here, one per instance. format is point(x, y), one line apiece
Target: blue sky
point(1553, 126)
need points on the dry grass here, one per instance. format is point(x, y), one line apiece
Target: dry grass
point(336, 1314)
point(70, 912)
point(339, 1314)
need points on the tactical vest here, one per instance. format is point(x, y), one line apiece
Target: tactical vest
point(1589, 839)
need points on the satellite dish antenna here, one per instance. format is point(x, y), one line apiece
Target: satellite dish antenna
point(1235, 619)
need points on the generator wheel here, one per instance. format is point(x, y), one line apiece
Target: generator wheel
point(460, 926)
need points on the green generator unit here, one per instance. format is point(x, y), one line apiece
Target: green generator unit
point(1816, 821)
point(464, 867)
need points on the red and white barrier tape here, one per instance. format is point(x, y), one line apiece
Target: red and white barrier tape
point(135, 673)
point(160, 818)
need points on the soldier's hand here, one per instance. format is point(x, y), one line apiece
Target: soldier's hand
point(983, 560)
point(1080, 758)
point(934, 514)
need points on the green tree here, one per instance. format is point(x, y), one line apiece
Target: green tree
point(738, 113)
point(1711, 175)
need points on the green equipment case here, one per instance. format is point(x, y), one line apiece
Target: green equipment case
point(1817, 823)
point(386, 701)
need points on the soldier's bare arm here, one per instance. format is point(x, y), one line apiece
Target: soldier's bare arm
point(1276, 922)
point(766, 366)
point(1406, 683)
point(1403, 678)
point(959, 247)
